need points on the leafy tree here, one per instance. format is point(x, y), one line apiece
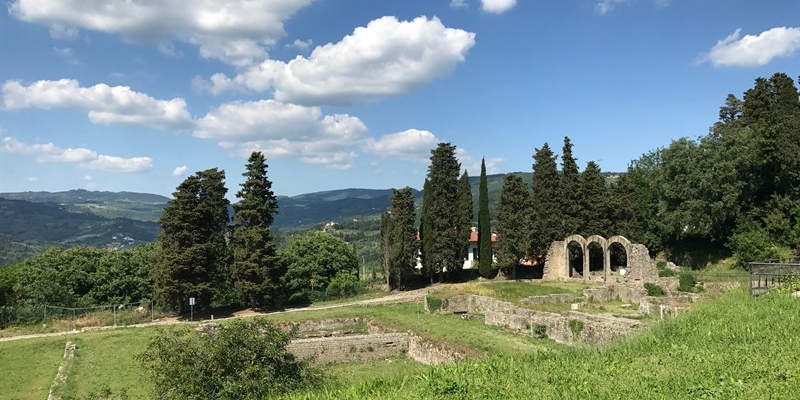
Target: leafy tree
point(484, 225)
point(313, 260)
point(256, 270)
point(244, 359)
point(544, 223)
point(192, 248)
point(593, 197)
point(513, 216)
point(465, 208)
point(569, 196)
point(403, 237)
point(443, 243)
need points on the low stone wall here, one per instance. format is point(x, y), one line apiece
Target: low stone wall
point(368, 347)
point(665, 306)
point(553, 298)
point(625, 293)
point(424, 351)
point(595, 328)
point(323, 325)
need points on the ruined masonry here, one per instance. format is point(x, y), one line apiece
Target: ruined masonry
point(640, 266)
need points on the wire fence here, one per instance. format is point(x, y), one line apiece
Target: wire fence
point(772, 274)
point(74, 318)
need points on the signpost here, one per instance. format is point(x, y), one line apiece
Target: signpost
point(191, 308)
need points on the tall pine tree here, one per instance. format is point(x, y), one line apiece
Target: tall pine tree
point(192, 247)
point(594, 200)
point(256, 270)
point(484, 225)
point(443, 244)
point(513, 224)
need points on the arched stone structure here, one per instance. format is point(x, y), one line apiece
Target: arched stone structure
point(639, 263)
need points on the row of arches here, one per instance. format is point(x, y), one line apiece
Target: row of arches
point(596, 253)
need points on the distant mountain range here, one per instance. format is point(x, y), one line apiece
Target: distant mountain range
point(32, 221)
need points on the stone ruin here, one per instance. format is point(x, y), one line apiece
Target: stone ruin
point(640, 267)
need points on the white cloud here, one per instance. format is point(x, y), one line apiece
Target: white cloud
point(458, 3)
point(302, 45)
point(33, 179)
point(284, 130)
point(411, 144)
point(605, 6)
point(387, 57)
point(752, 51)
point(179, 171)
point(237, 32)
point(67, 54)
point(104, 104)
point(497, 6)
point(85, 158)
point(87, 178)
point(473, 165)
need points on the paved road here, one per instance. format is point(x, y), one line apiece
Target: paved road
point(399, 297)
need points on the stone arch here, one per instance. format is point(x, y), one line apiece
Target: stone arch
point(626, 245)
point(603, 244)
point(583, 243)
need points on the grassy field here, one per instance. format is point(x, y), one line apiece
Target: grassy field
point(735, 347)
point(729, 348)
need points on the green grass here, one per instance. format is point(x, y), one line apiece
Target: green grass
point(29, 367)
point(512, 291)
point(735, 347)
point(105, 360)
point(351, 373)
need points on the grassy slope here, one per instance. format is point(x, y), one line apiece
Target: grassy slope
point(732, 348)
point(29, 366)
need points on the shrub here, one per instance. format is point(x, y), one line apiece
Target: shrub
point(661, 264)
point(434, 303)
point(540, 331)
point(686, 282)
point(344, 284)
point(576, 326)
point(246, 359)
point(666, 273)
point(654, 290)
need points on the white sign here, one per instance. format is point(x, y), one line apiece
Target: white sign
point(191, 301)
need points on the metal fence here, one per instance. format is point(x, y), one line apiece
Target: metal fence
point(772, 274)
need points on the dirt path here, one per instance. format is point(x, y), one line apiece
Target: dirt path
point(399, 297)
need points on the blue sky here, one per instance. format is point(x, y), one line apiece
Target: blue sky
point(136, 95)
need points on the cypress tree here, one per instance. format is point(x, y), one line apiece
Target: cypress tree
point(256, 270)
point(425, 230)
point(443, 244)
point(568, 198)
point(545, 183)
point(513, 230)
point(465, 208)
point(594, 200)
point(403, 243)
point(192, 247)
point(484, 225)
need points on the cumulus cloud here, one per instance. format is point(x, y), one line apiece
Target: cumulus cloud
point(302, 45)
point(497, 6)
point(458, 3)
point(284, 131)
point(179, 171)
point(83, 157)
point(237, 32)
point(753, 51)
point(104, 104)
point(387, 57)
point(411, 144)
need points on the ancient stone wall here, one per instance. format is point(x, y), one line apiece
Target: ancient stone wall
point(625, 293)
point(369, 347)
point(555, 265)
point(552, 298)
point(595, 328)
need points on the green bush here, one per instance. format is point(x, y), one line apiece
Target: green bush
point(246, 359)
point(686, 282)
point(661, 264)
point(576, 326)
point(540, 331)
point(666, 273)
point(654, 290)
point(434, 303)
point(344, 284)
